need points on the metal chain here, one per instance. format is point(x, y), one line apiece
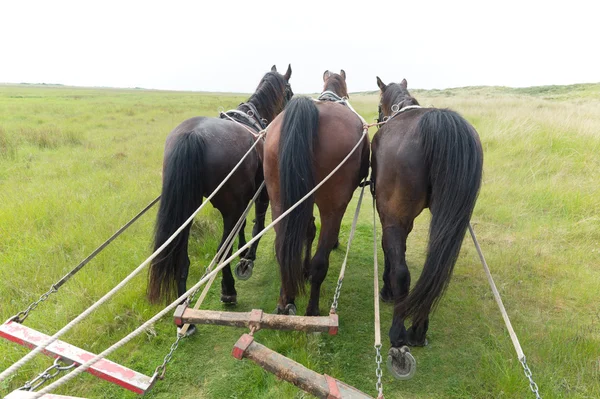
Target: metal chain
point(513, 336)
point(378, 372)
point(160, 371)
point(221, 255)
point(22, 315)
point(336, 295)
point(46, 375)
point(532, 385)
point(338, 288)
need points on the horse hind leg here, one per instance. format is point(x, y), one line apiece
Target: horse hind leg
point(243, 270)
point(394, 248)
point(228, 291)
point(330, 228)
point(310, 237)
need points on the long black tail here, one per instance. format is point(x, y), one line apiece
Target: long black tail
point(296, 179)
point(455, 159)
point(181, 195)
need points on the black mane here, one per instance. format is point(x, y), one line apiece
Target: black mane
point(269, 96)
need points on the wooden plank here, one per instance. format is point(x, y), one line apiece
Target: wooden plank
point(105, 369)
point(29, 395)
point(328, 324)
point(288, 370)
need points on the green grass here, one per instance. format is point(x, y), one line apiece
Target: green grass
point(76, 163)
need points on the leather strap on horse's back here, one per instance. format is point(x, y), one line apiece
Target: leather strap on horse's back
point(331, 96)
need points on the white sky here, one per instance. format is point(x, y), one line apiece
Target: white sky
point(229, 45)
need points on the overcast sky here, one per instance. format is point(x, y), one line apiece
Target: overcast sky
point(229, 45)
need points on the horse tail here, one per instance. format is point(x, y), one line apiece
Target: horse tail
point(455, 159)
point(296, 179)
point(182, 193)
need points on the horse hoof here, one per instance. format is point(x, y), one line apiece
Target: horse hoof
point(190, 331)
point(385, 298)
point(243, 270)
point(290, 309)
point(401, 364)
point(229, 299)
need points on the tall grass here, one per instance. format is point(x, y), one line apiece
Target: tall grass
point(76, 163)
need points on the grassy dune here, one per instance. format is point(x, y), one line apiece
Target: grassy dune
point(76, 163)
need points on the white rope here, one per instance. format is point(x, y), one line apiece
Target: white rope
point(376, 281)
point(511, 332)
point(364, 122)
point(175, 303)
point(107, 296)
point(350, 238)
point(220, 256)
point(377, 321)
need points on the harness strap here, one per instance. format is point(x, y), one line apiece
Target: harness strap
point(328, 95)
point(400, 110)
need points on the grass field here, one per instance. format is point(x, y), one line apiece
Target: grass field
point(76, 163)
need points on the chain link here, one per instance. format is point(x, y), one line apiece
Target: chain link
point(532, 385)
point(46, 375)
point(160, 371)
point(22, 315)
point(336, 295)
point(378, 372)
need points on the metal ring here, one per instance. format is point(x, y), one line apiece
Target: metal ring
point(250, 113)
point(395, 107)
point(221, 110)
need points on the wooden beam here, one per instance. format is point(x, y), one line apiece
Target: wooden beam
point(105, 369)
point(319, 385)
point(256, 318)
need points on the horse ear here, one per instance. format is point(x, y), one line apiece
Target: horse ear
point(273, 68)
point(381, 85)
point(404, 83)
point(326, 75)
point(343, 73)
point(288, 74)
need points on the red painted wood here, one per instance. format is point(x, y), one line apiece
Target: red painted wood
point(104, 369)
point(334, 391)
point(241, 345)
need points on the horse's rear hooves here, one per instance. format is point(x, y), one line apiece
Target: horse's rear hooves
point(289, 310)
point(401, 363)
point(190, 331)
point(229, 300)
point(243, 270)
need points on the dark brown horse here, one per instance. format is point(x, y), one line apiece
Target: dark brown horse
point(422, 158)
point(304, 144)
point(199, 154)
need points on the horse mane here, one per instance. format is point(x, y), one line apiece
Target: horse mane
point(336, 84)
point(269, 95)
point(396, 94)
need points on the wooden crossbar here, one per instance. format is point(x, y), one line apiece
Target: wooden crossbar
point(319, 385)
point(257, 319)
point(104, 369)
